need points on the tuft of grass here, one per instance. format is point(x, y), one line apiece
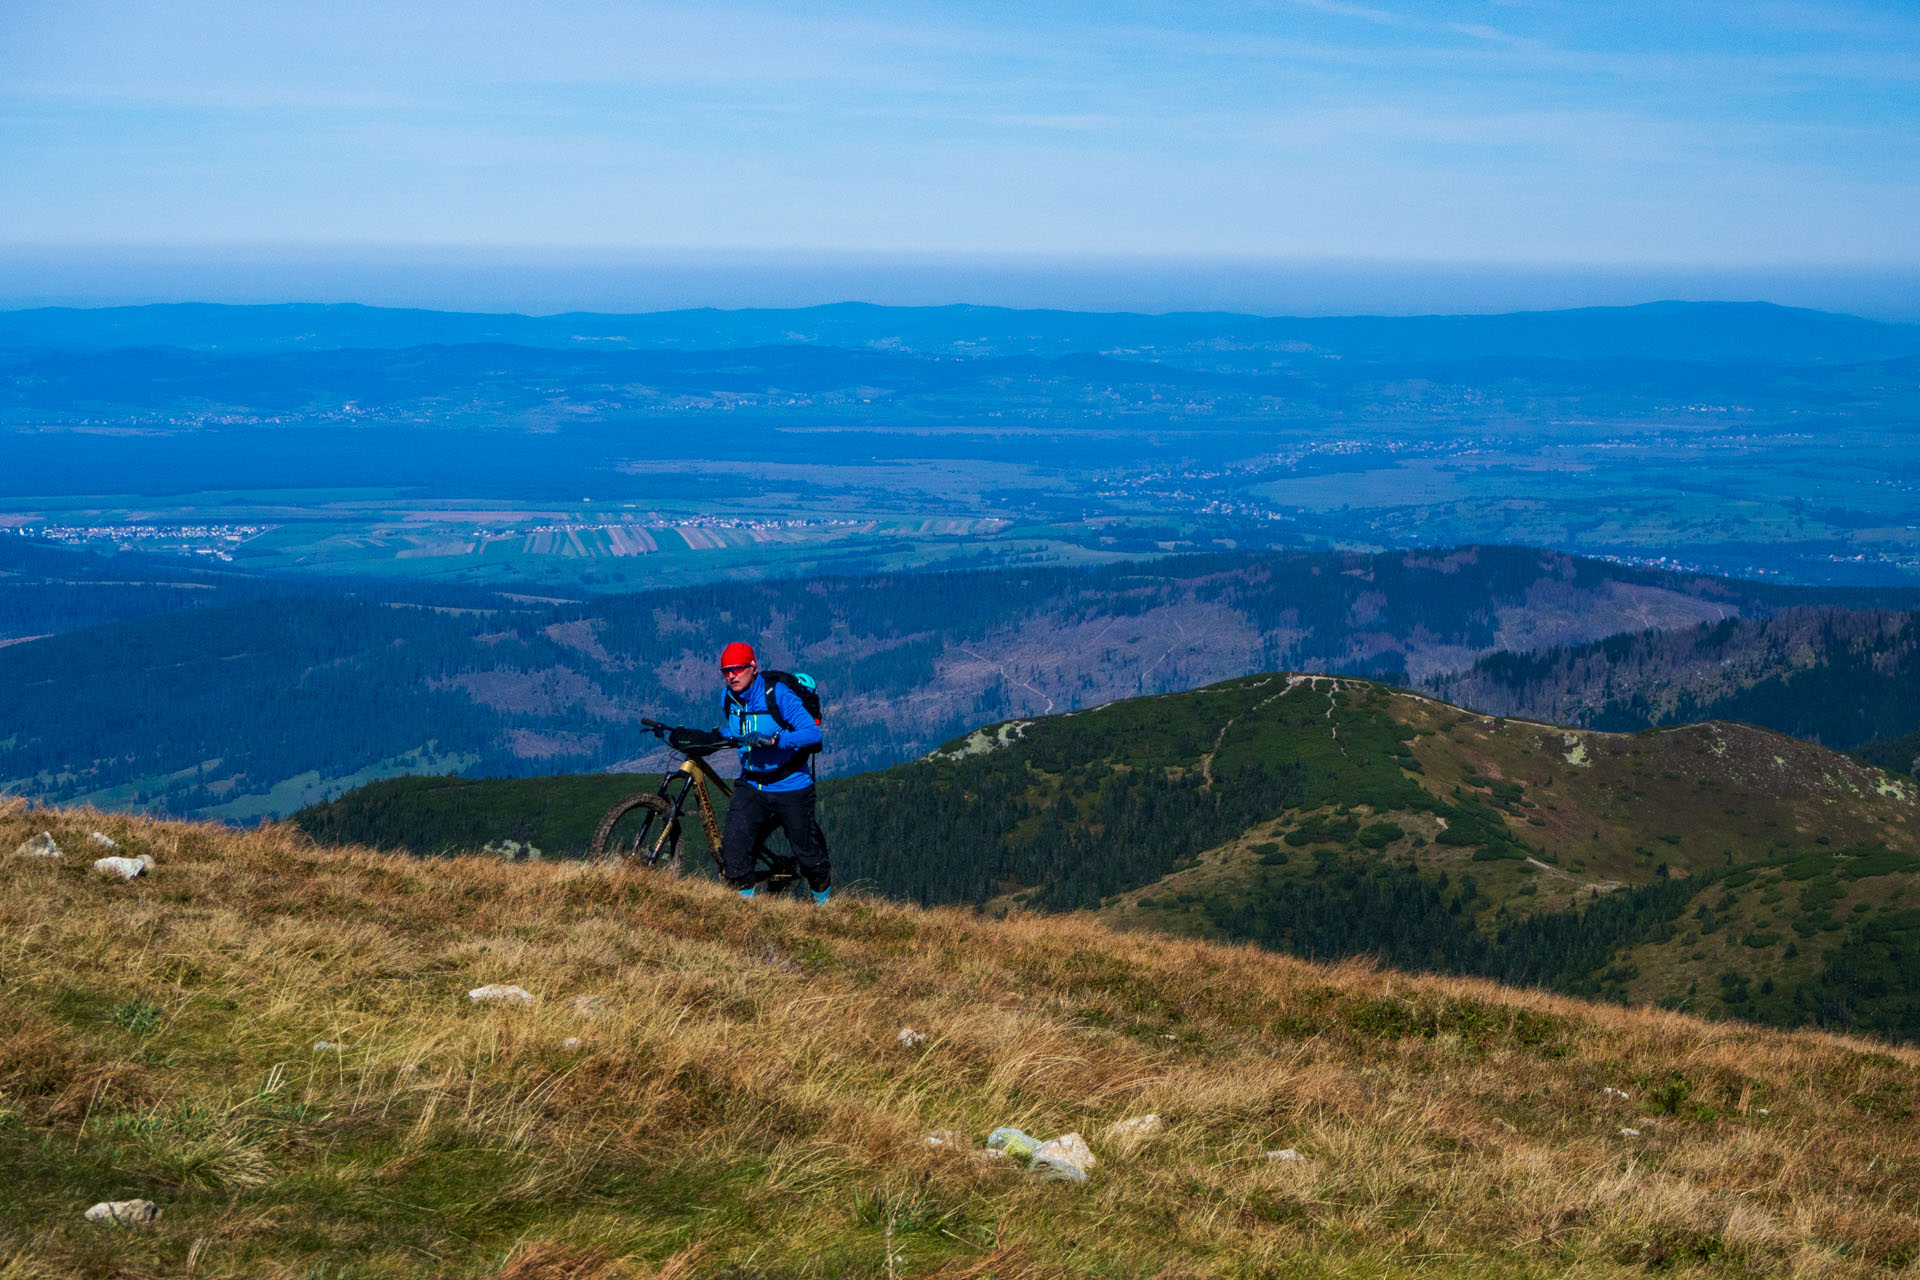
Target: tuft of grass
point(738, 1102)
point(141, 1017)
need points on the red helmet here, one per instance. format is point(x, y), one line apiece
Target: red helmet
point(737, 654)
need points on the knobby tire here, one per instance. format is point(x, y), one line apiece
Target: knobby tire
point(661, 839)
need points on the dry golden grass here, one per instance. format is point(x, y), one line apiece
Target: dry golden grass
point(738, 1103)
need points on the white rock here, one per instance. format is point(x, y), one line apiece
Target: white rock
point(1136, 1130)
point(100, 838)
point(1611, 1092)
point(1075, 1148)
point(570, 1043)
point(499, 992)
point(1763, 1111)
point(328, 1046)
point(909, 1038)
point(1629, 1133)
point(942, 1138)
point(40, 846)
point(127, 1212)
point(1288, 1154)
point(125, 868)
point(1063, 1159)
point(991, 1153)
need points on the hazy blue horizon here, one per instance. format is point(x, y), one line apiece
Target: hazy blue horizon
point(537, 283)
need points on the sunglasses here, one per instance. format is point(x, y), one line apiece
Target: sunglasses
point(745, 666)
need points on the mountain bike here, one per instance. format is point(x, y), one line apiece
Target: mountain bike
point(647, 828)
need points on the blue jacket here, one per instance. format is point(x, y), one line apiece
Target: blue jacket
point(787, 766)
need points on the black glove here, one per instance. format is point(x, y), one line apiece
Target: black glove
point(760, 740)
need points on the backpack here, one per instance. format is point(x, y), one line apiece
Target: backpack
point(803, 688)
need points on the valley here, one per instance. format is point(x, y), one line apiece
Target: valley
point(585, 454)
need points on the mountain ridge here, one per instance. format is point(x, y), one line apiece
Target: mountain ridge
point(1842, 678)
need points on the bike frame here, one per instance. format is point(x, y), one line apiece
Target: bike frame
point(695, 775)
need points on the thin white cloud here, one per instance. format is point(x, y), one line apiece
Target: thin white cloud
point(1480, 31)
point(1378, 17)
point(1070, 123)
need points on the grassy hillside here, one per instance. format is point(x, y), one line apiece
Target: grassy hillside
point(738, 1103)
point(1716, 868)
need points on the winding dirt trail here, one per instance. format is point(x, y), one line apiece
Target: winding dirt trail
point(1168, 654)
point(1009, 677)
point(1206, 761)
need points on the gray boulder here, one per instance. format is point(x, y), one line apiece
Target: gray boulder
point(41, 846)
point(500, 993)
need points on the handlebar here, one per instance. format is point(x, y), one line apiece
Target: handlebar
point(688, 741)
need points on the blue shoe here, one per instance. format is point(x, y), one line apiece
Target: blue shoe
point(820, 896)
point(746, 893)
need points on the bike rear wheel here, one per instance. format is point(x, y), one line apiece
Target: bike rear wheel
point(639, 830)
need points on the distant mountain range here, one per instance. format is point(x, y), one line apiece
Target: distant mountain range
point(1675, 331)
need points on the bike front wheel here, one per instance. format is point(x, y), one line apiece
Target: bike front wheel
point(642, 830)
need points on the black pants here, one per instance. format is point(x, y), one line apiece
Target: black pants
point(751, 818)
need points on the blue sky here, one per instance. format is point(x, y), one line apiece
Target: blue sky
point(1535, 136)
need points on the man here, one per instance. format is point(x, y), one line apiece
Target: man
point(779, 739)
